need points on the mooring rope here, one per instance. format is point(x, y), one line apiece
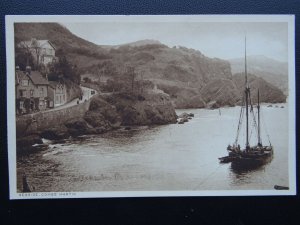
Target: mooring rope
point(207, 177)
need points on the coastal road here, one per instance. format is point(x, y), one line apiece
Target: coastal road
point(87, 94)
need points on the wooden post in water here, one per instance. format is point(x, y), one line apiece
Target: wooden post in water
point(26, 187)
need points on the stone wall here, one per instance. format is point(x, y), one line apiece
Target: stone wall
point(34, 123)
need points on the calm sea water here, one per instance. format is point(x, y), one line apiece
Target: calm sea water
point(169, 157)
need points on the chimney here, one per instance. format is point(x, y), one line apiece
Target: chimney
point(28, 69)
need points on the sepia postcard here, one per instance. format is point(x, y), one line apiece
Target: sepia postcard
point(131, 106)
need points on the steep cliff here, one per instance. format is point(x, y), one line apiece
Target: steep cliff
point(222, 91)
point(268, 92)
point(271, 70)
point(147, 109)
point(178, 71)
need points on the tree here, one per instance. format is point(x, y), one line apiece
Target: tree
point(37, 50)
point(23, 55)
point(75, 74)
point(27, 105)
point(106, 68)
point(113, 85)
point(22, 60)
point(54, 72)
point(141, 83)
point(63, 69)
point(125, 81)
point(99, 71)
point(37, 103)
point(87, 80)
point(28, 49)
point(18, 106)
point(130, 76)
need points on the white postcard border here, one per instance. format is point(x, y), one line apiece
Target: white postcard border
point(11, 120)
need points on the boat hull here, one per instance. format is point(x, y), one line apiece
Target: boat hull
point(251, 163)
point(255, 157)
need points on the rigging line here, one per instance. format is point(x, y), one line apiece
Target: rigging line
point(253, 126)
point(206, 178)
point(239, 125)
point(254, 121)
point(240, 122)
point(265, 126)
point(217, 94)
point(251, 105)
point(242, 119)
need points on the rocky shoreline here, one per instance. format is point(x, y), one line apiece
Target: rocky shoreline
point(106, 113)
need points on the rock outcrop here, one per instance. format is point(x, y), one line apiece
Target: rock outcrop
point(102, 116)
point(151, 108)
point(221, 91)
point(29, 140)
point(106, 113)
point(56, 132)
point(268, 92)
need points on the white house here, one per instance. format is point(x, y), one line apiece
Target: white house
point(43, 51)
point(57, 94)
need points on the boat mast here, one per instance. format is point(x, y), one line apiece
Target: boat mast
point(246, 95)
point(258, 118)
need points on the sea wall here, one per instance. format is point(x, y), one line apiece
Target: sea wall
point(37, 122)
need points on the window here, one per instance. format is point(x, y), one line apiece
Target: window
point(31, 93)
point(41, 92)
point(25, 82)
point(21, 105)
point(22, 93)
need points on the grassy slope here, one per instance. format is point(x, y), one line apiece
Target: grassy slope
point(74, 47)
point(186, 72)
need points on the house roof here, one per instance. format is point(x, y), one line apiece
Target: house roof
point(54, 84)
point(20, 75)
point(37, 78)
point(43, 42)
point(40, 43)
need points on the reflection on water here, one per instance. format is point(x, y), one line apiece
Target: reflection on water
point(169, 157)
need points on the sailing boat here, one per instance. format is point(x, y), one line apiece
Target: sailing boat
point(250, 156)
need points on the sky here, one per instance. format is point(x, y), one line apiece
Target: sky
point(223, 40)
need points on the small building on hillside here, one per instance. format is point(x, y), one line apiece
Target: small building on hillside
point(31, 91)
point(43, 51)
point(57, 94)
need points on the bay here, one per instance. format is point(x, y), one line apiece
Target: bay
point(178, 157)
